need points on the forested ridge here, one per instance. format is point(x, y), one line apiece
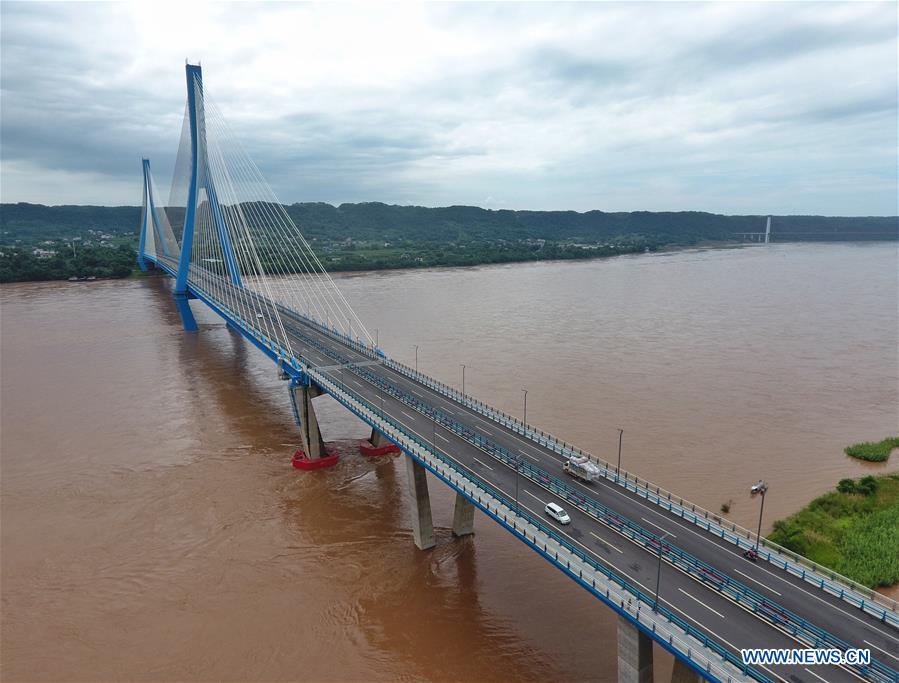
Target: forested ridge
point(56, 242)
point(374, 220)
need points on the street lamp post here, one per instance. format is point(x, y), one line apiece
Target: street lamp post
point(659, 571)
point(416, 357)
point(518, 457)
point(463, 379)
point(620, 434)
point(762, 489)
point(376, 338)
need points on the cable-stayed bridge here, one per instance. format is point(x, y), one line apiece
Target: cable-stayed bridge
point(675, 574)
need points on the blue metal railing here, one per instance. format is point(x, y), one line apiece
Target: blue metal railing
point(801, 567)
point(705, 573)
point(536, 523)
point(823, 578)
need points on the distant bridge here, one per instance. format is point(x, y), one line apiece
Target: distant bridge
point(675, 574)
point(764, 237)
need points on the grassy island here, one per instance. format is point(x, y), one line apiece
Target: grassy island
point(875, 451)
point(853, 530)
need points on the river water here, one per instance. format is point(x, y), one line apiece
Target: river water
point(153, 529)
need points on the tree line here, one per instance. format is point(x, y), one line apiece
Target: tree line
point(373, 235)
point(377, 221)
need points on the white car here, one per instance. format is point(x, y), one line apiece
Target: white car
point(557, 513)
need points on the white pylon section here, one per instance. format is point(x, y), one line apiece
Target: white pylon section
point(157, 240)
point(247, 253)
point(148, 232)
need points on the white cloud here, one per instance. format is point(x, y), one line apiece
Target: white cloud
point(729, 107)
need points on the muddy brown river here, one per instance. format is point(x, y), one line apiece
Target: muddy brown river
point(154, 530)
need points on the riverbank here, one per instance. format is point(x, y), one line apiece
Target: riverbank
point(23, 266)
point(853, 530)
point(27, 268)
point(57, 261)
point(39, 243)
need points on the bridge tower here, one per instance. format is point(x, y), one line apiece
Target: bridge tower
point(147, 238)
point(151, 233)
point(202, 188)
point(202, 200)
point(201, 181)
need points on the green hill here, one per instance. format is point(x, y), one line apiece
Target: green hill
point(35, 239)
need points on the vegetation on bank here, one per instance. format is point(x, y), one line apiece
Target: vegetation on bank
point(377, 222)
point(63, 264)
point(874, 451)
point(368, 256)
point(56, 260)
point(35, 239)
point(853, 530)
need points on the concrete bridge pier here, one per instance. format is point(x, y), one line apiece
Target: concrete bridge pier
point(420, 505)
point(313, 455)
point(377, 444)
point(463, 516)
point(634, 654)
point(683, 673)
point(378, 440)
point(310, 434)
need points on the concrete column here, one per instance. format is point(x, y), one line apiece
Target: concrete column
point(463, 516)
point(377, 439)
point(313, 445)
point(634, 654)
point(420, 505)
point(683, 673)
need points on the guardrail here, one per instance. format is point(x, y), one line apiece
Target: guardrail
point(821, 577)
point(605, 584)
point(736, 591)
point(705, 573)
point(844, 588)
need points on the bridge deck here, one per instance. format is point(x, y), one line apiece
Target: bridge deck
point(710, 595)
point(721, 618)
point(699, 602)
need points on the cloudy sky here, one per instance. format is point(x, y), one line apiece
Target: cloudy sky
point(727, 107)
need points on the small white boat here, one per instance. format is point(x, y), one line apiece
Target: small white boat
point(760, 487)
